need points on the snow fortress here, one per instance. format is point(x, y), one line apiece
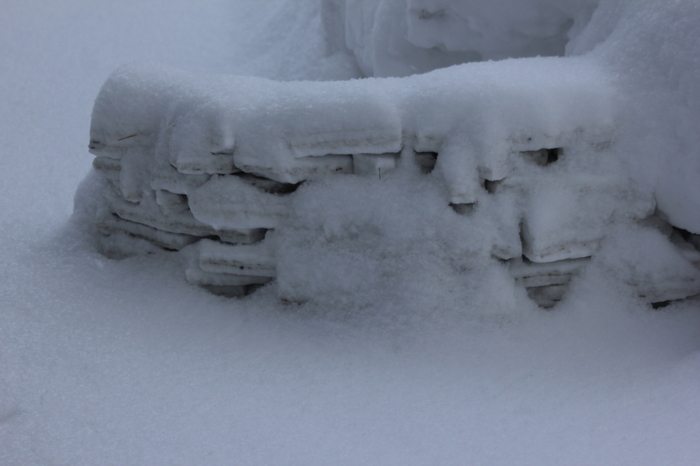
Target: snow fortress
point(210, 166)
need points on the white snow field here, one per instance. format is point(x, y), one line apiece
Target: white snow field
point(405, 338)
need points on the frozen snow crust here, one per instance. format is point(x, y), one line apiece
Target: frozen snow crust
point(510, 172)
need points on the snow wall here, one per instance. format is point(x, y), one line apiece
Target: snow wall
point(485, 178)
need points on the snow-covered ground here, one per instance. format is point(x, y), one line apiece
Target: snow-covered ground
point(122, 362)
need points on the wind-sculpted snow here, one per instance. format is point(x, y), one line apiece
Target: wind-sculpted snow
point(513, 162)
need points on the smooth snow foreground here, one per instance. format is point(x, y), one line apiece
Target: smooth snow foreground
point(519, 167)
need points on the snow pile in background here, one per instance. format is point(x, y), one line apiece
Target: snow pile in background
point(400, 38)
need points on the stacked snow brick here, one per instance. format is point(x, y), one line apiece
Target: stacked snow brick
point(208, 166)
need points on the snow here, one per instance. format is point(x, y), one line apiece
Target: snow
point(493, 126)
point(649, 46)
point(401, 38)
point(121, 362)
point(231, 202)
point(216, 124)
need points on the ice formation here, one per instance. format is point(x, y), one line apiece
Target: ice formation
point(520, 164)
